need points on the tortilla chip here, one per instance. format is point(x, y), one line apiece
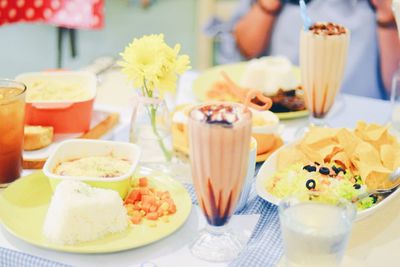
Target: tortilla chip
point(378, 180)
point(375, 134)
point(370, 132)
point(335, 150)
point(289, 156)
point(319, 137)
point(348, 141)
point(311, 154)
point(342, 160)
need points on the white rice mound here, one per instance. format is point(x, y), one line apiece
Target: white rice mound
point(79, 213)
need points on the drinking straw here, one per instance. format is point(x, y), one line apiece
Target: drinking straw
point(307, 22)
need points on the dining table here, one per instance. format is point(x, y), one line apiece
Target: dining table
point(374, 241)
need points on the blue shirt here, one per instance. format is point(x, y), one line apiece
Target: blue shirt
point(362, 75)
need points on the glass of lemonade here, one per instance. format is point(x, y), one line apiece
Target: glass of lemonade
point(12, 119)
point(219, 143)
point(315, 229)
point(323, 55)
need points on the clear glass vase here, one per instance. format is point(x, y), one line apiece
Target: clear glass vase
point(150, 129)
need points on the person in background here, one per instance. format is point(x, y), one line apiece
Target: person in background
point(272, 27)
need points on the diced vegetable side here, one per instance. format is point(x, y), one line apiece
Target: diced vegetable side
point(147, 202)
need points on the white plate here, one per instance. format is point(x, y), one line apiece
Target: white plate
point(269, 168)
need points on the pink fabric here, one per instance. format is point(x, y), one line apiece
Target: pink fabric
point(77, 14)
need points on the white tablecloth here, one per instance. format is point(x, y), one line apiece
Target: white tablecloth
point(375, 241)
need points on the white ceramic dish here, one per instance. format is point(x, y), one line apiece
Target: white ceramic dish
point(86, 79)
point(80, 148)
point(269, 168)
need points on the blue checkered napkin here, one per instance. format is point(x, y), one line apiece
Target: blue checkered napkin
point(265, 245)
point(11, 258)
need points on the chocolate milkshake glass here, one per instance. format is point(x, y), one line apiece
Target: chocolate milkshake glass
point(219, 143)
point(323, 55)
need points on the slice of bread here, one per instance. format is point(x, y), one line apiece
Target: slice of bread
point(37, 137)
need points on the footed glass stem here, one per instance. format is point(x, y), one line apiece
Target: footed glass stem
point(313, 122)
point(217, 244)
point(317, 122)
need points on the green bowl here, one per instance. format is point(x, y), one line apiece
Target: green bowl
point(80, 148)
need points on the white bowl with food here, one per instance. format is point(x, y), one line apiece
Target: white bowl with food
point(334, 162)
point(103, 164)
point(265, 129)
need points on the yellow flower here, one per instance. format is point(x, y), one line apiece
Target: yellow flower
point(152, 64)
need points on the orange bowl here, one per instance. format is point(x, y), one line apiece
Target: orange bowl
point(65, 116)
point(71, 117)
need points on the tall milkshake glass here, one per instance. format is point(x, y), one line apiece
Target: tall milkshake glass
point(219, 142)
point(323, 55)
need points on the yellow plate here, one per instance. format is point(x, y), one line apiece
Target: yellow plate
point(23, 207)
point(235, 71)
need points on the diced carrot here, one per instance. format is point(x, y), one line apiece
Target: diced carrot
point(149, 199)
point(172, 209)
point(128, 201)
point(136, 213)
point(165, 195)
point(152, 216)
point(144, 191)
point(134, 195)
point(137, 206)
point(143, 182)
point(147, 202)
point(160, 212)
point(136, 219)
point(153, 208)
point(146, 207)
point(170, 201)
point(164, 206)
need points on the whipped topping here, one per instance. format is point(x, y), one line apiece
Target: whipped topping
point(328, 28)
point(180, 117)
point(217, 114)
point(269, 74)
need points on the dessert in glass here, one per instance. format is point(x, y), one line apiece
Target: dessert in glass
point(219, 143)
point(323, 55)
point(12, 119)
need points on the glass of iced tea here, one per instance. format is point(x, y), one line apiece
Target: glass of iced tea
point(12, 117)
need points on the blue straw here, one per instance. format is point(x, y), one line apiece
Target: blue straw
point(306, 19)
